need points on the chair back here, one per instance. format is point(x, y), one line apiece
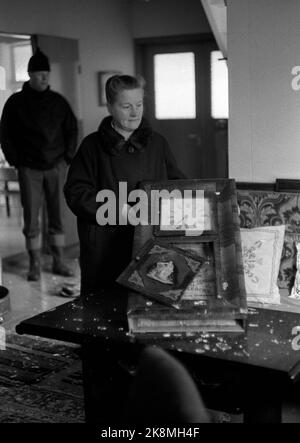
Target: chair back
point(163, 392)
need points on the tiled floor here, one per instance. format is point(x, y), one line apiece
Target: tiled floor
point(30, 298)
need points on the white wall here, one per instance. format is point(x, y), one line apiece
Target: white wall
point(102, 28)
point(105, 30)
point(156, 18)
point(264, 110)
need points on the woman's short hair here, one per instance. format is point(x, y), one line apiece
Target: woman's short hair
point(118, 83)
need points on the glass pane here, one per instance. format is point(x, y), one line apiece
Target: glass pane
point(219, 85)
point(2, 79)
point(174, 85)
point(22, 54)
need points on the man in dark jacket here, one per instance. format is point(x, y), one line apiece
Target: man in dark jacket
point(39, 137)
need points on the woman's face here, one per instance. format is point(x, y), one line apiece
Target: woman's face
point(127, 110)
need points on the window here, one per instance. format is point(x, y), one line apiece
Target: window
point(219, 86)
point(21, 55)
point(174, 86)
point(2, 78)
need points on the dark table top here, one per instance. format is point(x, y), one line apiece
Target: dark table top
point(268, 342)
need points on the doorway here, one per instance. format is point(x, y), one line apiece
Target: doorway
point(15, 51)
point(182, 103)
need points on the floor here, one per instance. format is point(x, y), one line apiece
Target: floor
point(30, 298)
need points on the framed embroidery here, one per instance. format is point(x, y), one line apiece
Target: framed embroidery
point(161, 272)
point(215, 298)
point(187, 212)
point(262, 249)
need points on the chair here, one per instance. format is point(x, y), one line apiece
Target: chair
point(163, 392)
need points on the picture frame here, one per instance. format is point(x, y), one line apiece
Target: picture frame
point(187, 216)
point(102, 77)
point(192, 215)
point(215, 298)
point(161, 272)
point(221, 233)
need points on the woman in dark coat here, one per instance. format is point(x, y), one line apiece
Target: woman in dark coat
point(124, 149)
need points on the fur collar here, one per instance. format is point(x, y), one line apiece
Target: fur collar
point(114, 143)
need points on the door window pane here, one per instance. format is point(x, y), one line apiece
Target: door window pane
point(174, 85)
point(21, 55)
point(219, 86)
point(15, 51)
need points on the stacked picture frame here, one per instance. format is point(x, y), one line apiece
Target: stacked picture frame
point(187, 273)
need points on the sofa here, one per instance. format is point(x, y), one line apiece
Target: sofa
point(260, 208)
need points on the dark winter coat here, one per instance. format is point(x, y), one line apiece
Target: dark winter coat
point(38, 129)
point(102, 161)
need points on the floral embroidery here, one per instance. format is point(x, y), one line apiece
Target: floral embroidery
point(292, 217)
point(251, 259)
point(260, 208)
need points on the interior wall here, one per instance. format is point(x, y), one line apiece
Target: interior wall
point(264, 108)
point(102, 28)
point(154, 18)
point(105, 30)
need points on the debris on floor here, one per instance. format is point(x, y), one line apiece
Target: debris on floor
point(69, 290)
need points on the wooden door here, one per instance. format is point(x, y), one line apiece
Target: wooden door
point(199, 142)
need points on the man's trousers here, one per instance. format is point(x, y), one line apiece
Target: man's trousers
point(37, 186)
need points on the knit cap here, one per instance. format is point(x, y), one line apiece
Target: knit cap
point(38, 62)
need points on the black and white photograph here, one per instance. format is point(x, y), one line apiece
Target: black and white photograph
point(184, 113)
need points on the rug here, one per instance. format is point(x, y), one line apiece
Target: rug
point(40, 381)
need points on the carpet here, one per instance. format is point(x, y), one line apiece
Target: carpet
point(40, 381)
